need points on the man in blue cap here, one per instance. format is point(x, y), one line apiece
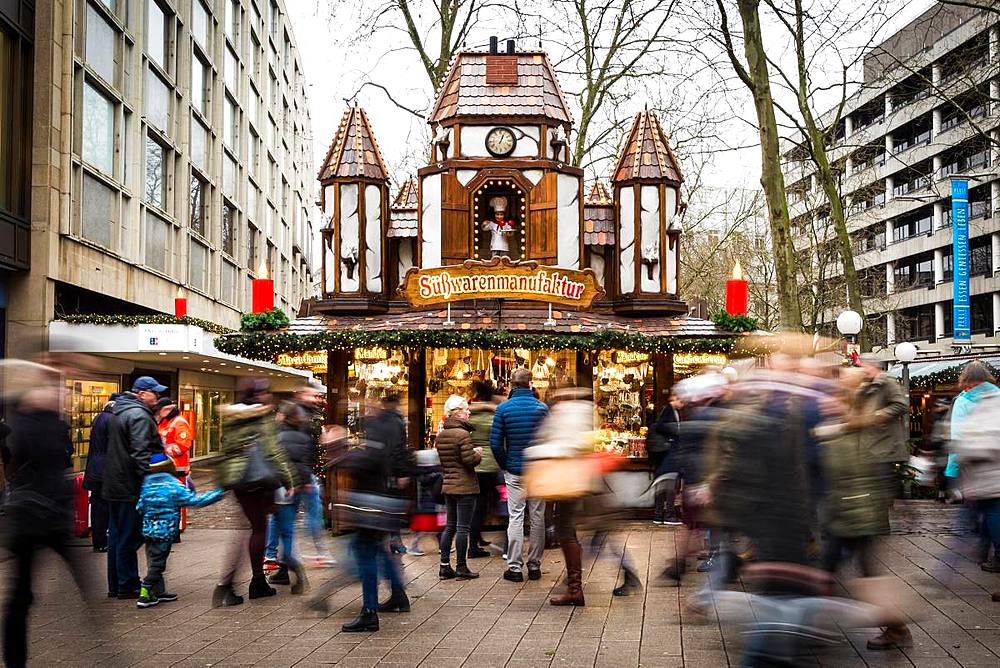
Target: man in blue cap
point(132, 440)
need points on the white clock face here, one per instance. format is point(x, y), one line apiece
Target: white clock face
point(500, 141)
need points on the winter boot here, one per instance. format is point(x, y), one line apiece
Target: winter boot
point(260, 589)
point(631, 584)
point(280, 576)
point(366, 622)
point(574, 575)
point(446, 572)
point(224, 596)
point(301, 585)
point(398, 602)
point(463, 573)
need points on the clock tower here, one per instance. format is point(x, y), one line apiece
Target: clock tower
point(499, 182)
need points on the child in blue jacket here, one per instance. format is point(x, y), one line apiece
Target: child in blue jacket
point(160, 503)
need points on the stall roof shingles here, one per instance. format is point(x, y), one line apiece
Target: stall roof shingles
point(647, 153)
point(354, 151)
point(466, 93)
point(403, 212)
point(523, 320)
point(598, 216)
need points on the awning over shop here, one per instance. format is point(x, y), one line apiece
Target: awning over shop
point(929, 367)
point(182, 346)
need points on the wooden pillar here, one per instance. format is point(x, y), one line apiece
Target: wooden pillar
point(336, 385)
point(416, 404)
point(585, 369)
point(663, 380)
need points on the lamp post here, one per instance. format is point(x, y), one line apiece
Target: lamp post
point(905, 353)
point(849, 323)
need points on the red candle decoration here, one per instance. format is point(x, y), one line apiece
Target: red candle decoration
point(180, 304)
point(262, 292)
point(737, 292)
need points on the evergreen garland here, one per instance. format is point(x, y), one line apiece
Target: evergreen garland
point(734, 323)
point(153, 319)
point(945, 377)
point(267, 346)
point(262, 322)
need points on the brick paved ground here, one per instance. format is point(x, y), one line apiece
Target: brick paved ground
point(490, 622)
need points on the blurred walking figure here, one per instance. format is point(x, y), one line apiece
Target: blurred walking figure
point(461, 487)
point(253, 465)
point(558, 462)
point(976, 451)
point(856, 507)
point(93, 476)
point(482, 410)
point(132, 440)
point(978, 387)
point(881, 406)
point(429, 507)
point(374, 513)
point(661, 444)
point(388, 427)
point(513, 430)
point(163, 496)
point(296, 440)
point(38, 510)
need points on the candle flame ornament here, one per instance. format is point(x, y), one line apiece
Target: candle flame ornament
point(262, 291)
point(737, 292)
point(180, 304)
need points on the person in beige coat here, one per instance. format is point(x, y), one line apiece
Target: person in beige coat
point(459, 458)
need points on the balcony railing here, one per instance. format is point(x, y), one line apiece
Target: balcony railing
point(863, 125)
point(961, 117)
point(965, 163)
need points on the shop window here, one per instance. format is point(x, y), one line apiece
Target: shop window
point(156, 172)
point(200, 408)
point(97, 211)
point(100, 48)
point(157, 243)
point(98, 129)
point(85, 399)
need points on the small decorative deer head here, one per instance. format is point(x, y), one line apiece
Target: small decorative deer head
point(350, 260)
point(650, 258)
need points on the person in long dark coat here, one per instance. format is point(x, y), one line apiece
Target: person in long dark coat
point(93, 476)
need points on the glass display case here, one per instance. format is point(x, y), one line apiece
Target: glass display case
point(623, 397)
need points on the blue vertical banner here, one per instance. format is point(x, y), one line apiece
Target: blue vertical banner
point(960, 250)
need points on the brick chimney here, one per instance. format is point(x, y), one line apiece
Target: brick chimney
point(501, 70)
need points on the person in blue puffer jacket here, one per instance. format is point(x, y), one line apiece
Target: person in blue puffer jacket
point(514, 425)
point(160, 503)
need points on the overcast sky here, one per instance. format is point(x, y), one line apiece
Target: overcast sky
point(335, 71)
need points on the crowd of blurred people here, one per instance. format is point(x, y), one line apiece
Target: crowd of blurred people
point(777, 476)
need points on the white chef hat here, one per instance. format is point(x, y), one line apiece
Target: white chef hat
point(498, 203)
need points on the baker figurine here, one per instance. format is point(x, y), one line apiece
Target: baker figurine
point(500, 228)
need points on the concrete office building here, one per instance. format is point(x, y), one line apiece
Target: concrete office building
point(171, 149)
point(927, 111)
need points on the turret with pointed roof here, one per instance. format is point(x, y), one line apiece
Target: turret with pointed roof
point(647, 180)
point(647, 154)
point(355, 197)
point(354, 152)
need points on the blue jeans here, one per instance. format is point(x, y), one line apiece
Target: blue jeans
point(124, 539)
point(311, 498)
point(284, 530)
point(990, 509)
point(370, 553)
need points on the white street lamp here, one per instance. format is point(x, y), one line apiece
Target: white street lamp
point(905, 353)
point(850, 323)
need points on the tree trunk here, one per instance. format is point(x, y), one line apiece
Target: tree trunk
point(771, 178)
point(830, 187)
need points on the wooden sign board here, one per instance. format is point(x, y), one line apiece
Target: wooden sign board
point(501, 278)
